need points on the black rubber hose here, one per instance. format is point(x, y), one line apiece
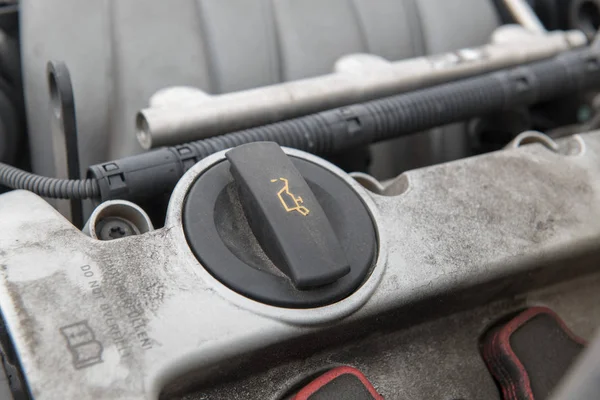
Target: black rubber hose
point(48, 187)
point(155, 173)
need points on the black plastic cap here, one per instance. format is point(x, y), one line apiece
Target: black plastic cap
point(255, 237)
point(285, 216)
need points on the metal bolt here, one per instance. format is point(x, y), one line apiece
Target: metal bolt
point(116, 232)
point(115, 228)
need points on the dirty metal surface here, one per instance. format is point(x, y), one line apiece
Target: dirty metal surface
point(134, 317)
point(437, 360)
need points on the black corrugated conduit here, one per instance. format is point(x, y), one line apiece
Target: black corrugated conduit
point(156, 172)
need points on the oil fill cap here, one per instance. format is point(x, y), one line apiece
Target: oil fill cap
point(286, 217)
point(278, 229)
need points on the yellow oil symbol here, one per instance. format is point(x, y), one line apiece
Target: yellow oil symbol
point(285, 193)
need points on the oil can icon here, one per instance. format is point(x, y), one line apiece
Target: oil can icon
point(288, 200)
point(82, 344)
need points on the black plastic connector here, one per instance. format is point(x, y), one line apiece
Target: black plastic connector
point(145, 175)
